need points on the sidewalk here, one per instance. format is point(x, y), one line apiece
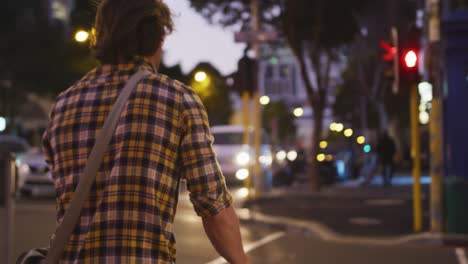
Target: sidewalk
point(346, 210)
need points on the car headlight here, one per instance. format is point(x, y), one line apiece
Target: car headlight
point(243, 158)
point(242, 174)
point(281, 155)
point(266, 160)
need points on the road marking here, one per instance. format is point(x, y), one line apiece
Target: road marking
point(461, 256)
point(255, 245)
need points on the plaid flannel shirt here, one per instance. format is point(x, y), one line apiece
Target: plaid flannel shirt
point(162, 137)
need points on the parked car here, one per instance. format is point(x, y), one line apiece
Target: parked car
point(235, 158)
point(34, 176)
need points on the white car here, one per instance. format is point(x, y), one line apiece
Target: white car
point(235, 158)
point(34, 176)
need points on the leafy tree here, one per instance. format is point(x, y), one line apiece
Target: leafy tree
point(36, 55)
point(214, 93)
point(366, 78)
point(316, 31)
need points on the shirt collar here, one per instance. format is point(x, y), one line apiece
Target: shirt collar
point(138, 63)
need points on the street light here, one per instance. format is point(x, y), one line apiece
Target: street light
point(361, 140)
point(321, 157)
point(348, 132)
point(323, 144)
point(333, 126)
point(81, 36)
point(298, 112)
point(200, 76)
point(339, 127)
point(264, 100)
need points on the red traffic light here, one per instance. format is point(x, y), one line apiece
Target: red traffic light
point(411, 59)
point(390, 51)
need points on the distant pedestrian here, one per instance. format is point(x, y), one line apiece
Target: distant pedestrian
point(162, 137)
point(386, 151)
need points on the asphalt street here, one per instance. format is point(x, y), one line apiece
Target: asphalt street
point(35, 222)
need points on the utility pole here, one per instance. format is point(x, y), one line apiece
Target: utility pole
point(436, 138)
point(257, 119)
point(416, 155)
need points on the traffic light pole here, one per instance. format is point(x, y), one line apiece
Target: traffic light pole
point(257, 122)
point(415, 154)
point(433, 10)
point(246, 136)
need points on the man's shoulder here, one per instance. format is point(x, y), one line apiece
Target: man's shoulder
point(164, 81)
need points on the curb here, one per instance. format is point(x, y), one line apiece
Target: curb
point(247, 216)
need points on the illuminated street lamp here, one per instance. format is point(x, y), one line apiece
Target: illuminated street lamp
point(333, 126)
point(361, 140)
point(321, 157)
point(264, 100)
point(339, 127)
point(81, 36)
point(348, 132)
point(200, 76)
point(298, 112)
point(323, 144)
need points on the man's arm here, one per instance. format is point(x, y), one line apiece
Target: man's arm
point(224, 233)
point(205, 181)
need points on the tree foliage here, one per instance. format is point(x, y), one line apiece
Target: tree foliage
point(366, 76)
point(214, 93)
point(316, 30)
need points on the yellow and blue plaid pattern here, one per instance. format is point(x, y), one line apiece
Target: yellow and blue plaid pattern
point(162, 137)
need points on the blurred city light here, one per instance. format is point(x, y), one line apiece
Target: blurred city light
point(424, 118)
point(298, 112)
point(411, 59)
point(321, 157)
point(292, 155)
point(329, 157)
point(425, 90)
point(339, 127)
point(2, 124)
point(323, 145)
point(281, 155)
point(361, 140)
point(242, 193)
point(242, 174)
point(243, 158)
point(333, 126)
point(200, 76)
point(266, 160)
point(264, 100)
point(367, 148)
point(81, 36)
point(348, 132)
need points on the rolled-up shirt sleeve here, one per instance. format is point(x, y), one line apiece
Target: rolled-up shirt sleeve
point(205, 181)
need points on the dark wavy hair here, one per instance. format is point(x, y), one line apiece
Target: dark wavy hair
point(126, 28)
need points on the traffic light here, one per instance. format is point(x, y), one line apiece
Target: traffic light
point(409, 59)
point(246, 77)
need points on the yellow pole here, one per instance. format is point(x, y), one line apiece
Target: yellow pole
point(246, 137)
point(257, 171)
point(415, 154)
point(436, 165)
point(433, 11)
point(257, 117)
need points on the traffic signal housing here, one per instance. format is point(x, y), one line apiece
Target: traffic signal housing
point(246, 79)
